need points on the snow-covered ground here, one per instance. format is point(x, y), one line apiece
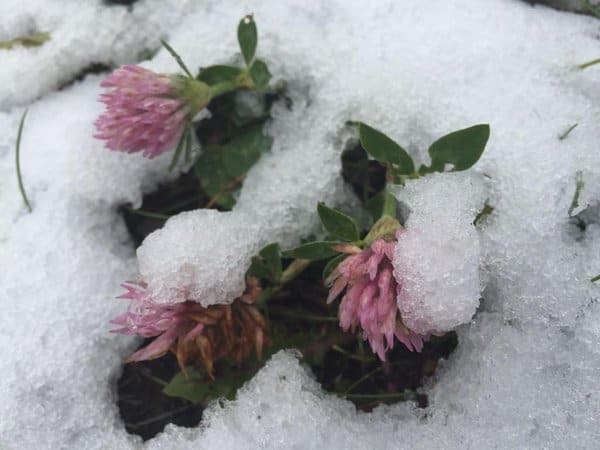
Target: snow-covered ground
point(526, 372)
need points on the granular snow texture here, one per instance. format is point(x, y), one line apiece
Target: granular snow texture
point(526, 372)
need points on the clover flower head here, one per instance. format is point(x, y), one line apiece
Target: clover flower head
point(369, 300)
point(192, 331)
point(146, 111)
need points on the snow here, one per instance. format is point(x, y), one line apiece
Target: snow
point(525, 372)
point(437, 256)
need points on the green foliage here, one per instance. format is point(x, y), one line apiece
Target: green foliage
point(314, 251)
point(213, 75)
point(381, 204)
point(177, 58)
point(337, 223)
point(385, 150)
point(220, 168)
point(240, 154)
point(267, 265)
point(197, 389)
point(461, 148)
point(247, 38)
point(259, 72)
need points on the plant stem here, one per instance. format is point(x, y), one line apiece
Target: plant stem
point(295, 268)
point(18, 163)
point(566, 133)
point(363, 378)
point(349, 355)
point(27, 41)
point(149, 214)
point(235, 182)
point(588, 64)
point(596, 278)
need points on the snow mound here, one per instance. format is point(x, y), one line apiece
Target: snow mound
point(437, 256)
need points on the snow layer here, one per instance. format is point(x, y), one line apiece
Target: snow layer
point(526, 370)
point(437, 256)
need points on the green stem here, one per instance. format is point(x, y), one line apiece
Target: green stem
point(566, 133)
point(242, 82)
point(17, 157)
point(33, 40)
point(363, 378)
point(349, 355)
point(149, 214)
point(596, 278)
point(589, 64)
point(295, 268)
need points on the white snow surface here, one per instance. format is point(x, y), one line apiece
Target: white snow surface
point(526, 372)
point(437, 257)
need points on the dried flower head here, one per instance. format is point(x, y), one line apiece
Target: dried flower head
point(193, 332)
point(369, 301)
point(147, 112)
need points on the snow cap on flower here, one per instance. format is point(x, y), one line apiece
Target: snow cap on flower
point(369, 300)
point(147, 112)
point(438, 253)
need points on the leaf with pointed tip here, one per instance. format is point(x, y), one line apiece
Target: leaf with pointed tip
point(337, 223)
point(267, 265)
point(176, 57)
point(462, 148)
point(383, 149)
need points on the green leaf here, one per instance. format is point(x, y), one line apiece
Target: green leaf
point(220, 168)
point(461, 148)
point(192, 389)
point(219, 74)
point(242, 152)
point(383, 149)
point(198, 390)
point(259, 72)
point(380, 204)
point(332, 264)
point(267, 265)
point(313, 250)
point(337, 223)
point(212, 176)
point(177, 58)
point(247, 38)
